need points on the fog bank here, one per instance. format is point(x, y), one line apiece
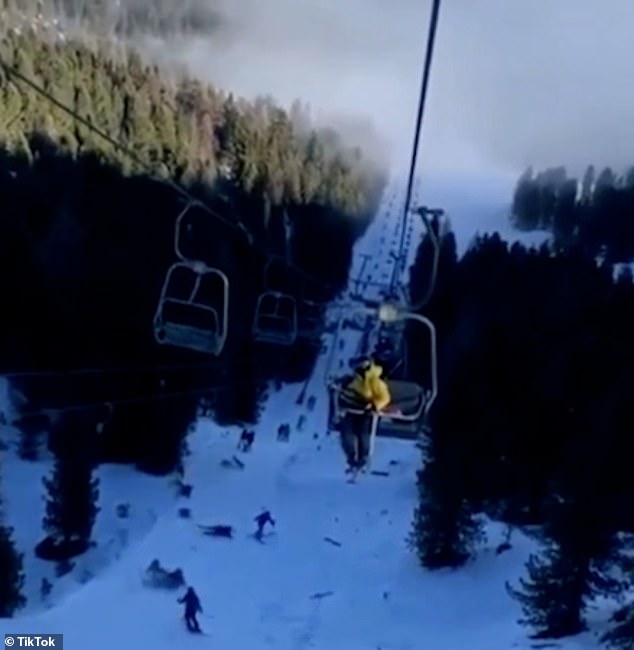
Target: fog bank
point(514, 83)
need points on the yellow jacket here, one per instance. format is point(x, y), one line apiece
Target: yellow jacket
point(371, 388)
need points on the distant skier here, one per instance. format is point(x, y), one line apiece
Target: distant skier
point(261, 520)
point(192, 607)
point(246, 440)
point(284, 432)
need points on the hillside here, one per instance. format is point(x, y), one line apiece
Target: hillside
point(185, 272)
point(88, 231)
point(336, 573)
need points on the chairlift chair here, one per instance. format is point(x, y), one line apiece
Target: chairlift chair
point(185, 318)
point(404, 416)
point(310, 321)
point(402, 421)
point(275, 319)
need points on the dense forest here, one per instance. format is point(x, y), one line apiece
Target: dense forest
point(122, 19)
point(593, 214)
point(87, 235)
point(533, 422)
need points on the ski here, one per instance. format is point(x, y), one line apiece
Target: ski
point(261, 538)
point(353, 474)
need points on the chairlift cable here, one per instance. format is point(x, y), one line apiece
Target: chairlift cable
point(140, 369)
point(414, 396)
point(431, 37)
point(106, 370)
point(155, 396)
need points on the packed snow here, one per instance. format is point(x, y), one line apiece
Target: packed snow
point(335, 574)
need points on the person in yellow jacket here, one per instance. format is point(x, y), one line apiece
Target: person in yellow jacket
point(369, 387)
point(373, 393)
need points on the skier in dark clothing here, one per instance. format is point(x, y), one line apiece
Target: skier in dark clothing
point(261, 520)
point(192, 607)
point(246, 440)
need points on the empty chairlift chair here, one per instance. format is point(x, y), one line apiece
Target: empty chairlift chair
point(193, 308)
point(310, 320)
point(275, 319)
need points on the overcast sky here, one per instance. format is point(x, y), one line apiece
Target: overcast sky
point(514, 82)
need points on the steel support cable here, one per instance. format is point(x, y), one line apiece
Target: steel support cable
point(106, 370)
point(431, 38)
point(155, 396)
point(141, 369)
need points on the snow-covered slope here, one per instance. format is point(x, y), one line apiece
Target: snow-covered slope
point(478, 205)
point(359, 589)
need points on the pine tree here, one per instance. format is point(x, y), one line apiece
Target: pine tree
point(565, 214)
point(445, 532)
point(28, 446)
point(606, 180)
point(12, 577)
point(587, 184)
point(70, 509)
point(526, 202)
point(577, 563)
point(72, 491)
point(552, 597)
point(12, 581)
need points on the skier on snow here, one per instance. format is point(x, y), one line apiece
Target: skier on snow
point(261, 520)
point(192, 607)
point(373, 394)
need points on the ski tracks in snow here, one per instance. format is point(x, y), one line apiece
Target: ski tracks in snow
point(304, 637)
point(304, 627)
